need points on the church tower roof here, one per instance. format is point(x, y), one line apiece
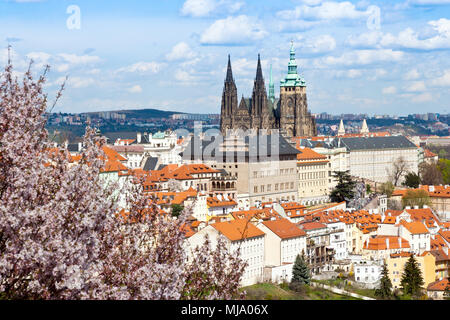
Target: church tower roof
point(271, 87)
point(341, 130)
point(364, 128)
point(259, 74)
point(229, 77)
point(292, 79)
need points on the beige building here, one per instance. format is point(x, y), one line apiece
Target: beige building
point(436, 290)
point(372, 158)
point(239, 234)
point(313, 175)
point(396, 264)
point(283, 242)
point(264, 166)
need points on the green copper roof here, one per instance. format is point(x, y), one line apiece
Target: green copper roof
point(271, 87)
point(292, 79)
point(159, 135)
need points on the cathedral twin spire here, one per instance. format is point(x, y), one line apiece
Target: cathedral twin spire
point(289, 113)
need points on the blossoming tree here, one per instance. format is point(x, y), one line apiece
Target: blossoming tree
point(62, 233)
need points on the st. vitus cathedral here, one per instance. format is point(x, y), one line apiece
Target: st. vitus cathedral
point(289, 114)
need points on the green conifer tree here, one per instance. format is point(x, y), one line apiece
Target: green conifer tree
point(412, 280)
point(385, 289)
point(300, 271)
point(344, 188)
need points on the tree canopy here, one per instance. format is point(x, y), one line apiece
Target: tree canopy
point(344, 190)
point(418, 197)
point(412, 280)
point(412, 180)
point(300, 271)
point(384, 291)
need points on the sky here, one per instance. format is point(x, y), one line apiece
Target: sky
point(366, 56)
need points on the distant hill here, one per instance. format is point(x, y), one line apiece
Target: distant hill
point(142, 113)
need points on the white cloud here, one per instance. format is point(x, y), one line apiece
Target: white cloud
point(76, 59)
point(40, 58)
point(424, 97)
point(75, 82)
point(321, 44)
point(390, 90)
point(438, 38)
point(416, 86)
point(296, 25)
point(429, 2)
point(364, 57)
point(62, 67)
point(198, 8)
point(181, 51)
point(204, 8)
point(329, 10)
point(233, 30)
point(143, 67)
point(183, 76)
point(368, 39)
point(135, 89)
point(442, 81)
point(412, 75)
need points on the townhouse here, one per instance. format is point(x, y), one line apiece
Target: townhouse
point(380, 247)
point(264, 166)
point(239, 234)
point(436, 290)
point(313, 175)
point(417, 235)
point(319, 256)
point(396, 265)
point(283, 242)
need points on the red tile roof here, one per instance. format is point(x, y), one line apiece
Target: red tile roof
point(379, 243)
point(414, 227)
point(311, 225)
point(309, 154)
point(439, 285)
point(284, 229)
point(215, 202)
point(236, 230)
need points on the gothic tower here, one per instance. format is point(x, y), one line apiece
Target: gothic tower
point(295, 119)
point(229, 101)
point(259, 99)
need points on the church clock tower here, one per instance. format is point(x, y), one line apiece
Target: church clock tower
point(295, 119)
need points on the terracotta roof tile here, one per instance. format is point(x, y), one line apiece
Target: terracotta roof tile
point(236, 230)
point(439, 285)
point(284, 229)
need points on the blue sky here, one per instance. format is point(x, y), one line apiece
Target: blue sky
point(366, 56)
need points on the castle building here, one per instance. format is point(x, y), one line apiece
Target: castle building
point(289, 114)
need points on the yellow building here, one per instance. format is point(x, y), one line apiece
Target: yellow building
point(313, 176)
point(396, 264)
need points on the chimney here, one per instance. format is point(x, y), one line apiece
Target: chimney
point(399, 242)
point(425, 206)
point(387, 243)
point(139, 137)
point(80, 146)
point(416, 207)
point(445, 249)
point(431, 188)
point(407, 207)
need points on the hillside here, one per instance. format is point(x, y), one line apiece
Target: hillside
point(141, 113)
